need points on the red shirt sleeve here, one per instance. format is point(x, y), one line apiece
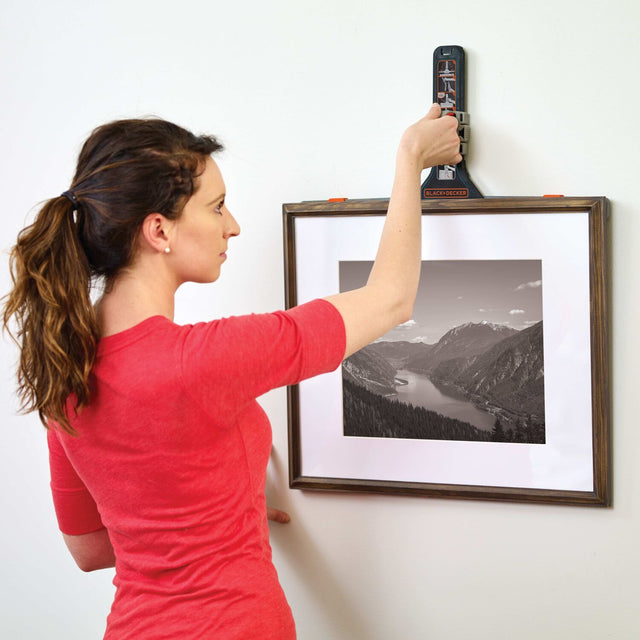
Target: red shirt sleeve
point(232, 361)
point(76, 510)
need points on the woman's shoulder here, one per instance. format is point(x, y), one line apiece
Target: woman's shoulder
point(152, 327)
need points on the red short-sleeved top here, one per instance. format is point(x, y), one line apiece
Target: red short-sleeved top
point(171, 459)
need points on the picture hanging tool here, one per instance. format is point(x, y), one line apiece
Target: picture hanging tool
point(449, 76)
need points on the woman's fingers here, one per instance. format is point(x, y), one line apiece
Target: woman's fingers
point(432, 140)
point(275, 515)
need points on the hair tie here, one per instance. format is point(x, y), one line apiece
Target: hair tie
point(69, 195)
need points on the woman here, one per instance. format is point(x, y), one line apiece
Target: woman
point(158, 449)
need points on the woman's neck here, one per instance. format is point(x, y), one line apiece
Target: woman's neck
point(131, 299)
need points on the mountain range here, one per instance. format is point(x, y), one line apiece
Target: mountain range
point(464, 341)
point(367, 368)
point(496, 367)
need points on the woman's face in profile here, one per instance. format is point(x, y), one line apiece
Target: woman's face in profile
point(201, 234)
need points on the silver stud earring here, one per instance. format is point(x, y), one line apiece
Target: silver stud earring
point(167, 250)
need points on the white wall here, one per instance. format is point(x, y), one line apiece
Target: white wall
point(310, 98)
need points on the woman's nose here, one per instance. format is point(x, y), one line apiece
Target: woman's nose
point(233, 228)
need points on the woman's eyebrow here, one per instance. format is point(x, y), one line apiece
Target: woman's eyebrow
point(220, 197)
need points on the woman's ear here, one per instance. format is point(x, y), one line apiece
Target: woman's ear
point(155, 232)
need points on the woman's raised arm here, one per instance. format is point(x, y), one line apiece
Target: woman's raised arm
point(389, 295)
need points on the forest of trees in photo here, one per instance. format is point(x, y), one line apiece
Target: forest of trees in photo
point(369, 414)
point(372, 415)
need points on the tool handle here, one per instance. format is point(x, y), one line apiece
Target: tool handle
point(449, 80)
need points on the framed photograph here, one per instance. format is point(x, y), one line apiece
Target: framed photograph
point(496, 389)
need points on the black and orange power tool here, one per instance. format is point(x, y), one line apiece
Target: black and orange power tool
point(449, 75)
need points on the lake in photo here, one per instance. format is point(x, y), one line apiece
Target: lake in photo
point(421, 392)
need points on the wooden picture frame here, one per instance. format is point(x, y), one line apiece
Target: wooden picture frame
point(566, 239)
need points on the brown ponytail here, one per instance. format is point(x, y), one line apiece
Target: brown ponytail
point(57, 325)
point(126, 170)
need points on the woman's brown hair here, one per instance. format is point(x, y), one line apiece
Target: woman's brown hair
point(126, 170)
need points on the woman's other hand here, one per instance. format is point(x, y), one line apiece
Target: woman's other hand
point(275, 515)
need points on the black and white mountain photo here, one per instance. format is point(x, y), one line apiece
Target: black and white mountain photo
point(469, 364)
